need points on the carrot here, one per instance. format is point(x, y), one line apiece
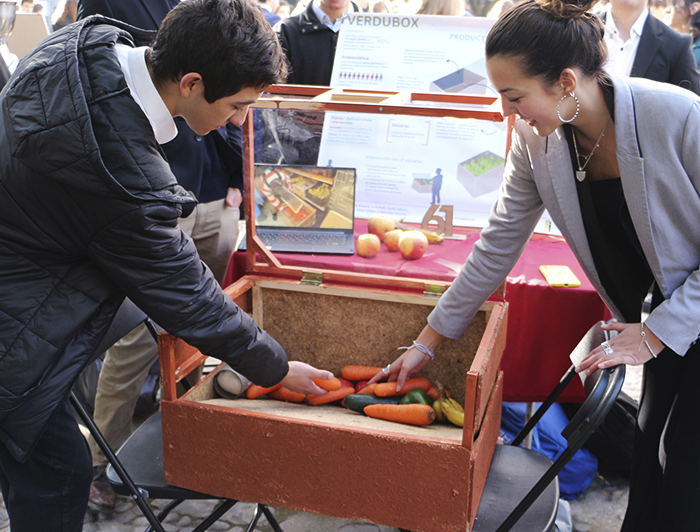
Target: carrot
point(254, 391)
point(413, 414)
point(359, 373)
point(384, 389)
point(329, 397)
point(368, 389)
point(329, 385)
point(285, 394)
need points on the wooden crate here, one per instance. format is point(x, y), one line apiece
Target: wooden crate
point(327, 459)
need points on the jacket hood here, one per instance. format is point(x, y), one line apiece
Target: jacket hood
point(76, 74)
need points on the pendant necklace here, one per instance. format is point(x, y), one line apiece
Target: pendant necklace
point(581, 172)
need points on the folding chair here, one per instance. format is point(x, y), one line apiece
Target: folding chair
point(142, 454)
point(521, 491)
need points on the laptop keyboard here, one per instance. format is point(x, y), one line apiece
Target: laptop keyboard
point(303, 238)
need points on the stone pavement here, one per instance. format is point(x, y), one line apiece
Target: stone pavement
point(600, 509)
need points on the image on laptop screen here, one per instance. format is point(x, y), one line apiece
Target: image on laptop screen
point(305, 209)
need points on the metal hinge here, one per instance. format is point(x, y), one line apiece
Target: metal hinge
point(433, 290)
point(312, 278)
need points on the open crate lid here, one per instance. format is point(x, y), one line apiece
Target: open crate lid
point(307, 105)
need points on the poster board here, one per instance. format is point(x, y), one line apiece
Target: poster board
point(398, 158)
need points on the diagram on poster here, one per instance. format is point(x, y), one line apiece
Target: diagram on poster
point(406, 163)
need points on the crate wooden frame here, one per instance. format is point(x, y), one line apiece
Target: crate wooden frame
point(323, 459)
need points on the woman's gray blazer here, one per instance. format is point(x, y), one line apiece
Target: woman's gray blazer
point(657, 129)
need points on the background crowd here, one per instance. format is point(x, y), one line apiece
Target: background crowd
point(681, 15)
point(654, 40)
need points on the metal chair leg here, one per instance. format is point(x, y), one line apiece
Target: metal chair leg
point(123, 475)
point(270, 518)
point(261, 509)
point(215, 515)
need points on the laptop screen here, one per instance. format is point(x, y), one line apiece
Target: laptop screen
point(304, 197)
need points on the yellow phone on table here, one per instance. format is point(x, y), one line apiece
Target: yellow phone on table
point(559, 276)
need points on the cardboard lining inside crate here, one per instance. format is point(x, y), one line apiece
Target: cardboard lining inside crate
point(329, 328)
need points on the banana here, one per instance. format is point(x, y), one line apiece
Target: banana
point(433, 238)
point(437, 406)
point(453, 411)
point(449, 408)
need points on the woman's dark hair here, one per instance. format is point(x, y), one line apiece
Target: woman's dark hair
point(549, 36)
point(227, 42)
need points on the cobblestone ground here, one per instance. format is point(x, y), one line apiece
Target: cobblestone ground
point(600, 509)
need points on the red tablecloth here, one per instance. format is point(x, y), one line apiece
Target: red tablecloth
point(544, 323)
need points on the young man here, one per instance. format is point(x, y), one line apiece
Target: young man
point(310, 38)
point(209, 166)
point(88, 215)
point(642, 46)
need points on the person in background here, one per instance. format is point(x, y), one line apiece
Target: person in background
point(657, 8)
point(27, 6)
point(380, 7)
point(269, 8)
point(309, 40)
point(284, 10)
point(684, 17)
point(66, 12)
point(38, 8)
point(453, 8)
point(640, 45)
point(500, 7)
point(615, 162)
point(211, 167)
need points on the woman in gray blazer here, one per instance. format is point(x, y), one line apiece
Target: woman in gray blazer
point(616, 162)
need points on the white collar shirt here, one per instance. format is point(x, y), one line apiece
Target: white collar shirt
point(621, 54)
point(326, 20)
point(144, 92)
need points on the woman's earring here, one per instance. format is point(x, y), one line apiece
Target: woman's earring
point(578, 107)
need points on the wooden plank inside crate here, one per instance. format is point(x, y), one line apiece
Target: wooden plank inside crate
point(335, 415)
point(329, 328)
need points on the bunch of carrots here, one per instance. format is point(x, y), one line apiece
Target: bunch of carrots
point(353, 379)
point(335, 391)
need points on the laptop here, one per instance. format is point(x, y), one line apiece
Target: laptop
point(305, 209)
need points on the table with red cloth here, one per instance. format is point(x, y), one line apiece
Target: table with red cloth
point(544, 323)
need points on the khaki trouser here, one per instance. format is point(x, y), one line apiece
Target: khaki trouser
point(213, 227)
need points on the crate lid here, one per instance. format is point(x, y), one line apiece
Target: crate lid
point(296, 112)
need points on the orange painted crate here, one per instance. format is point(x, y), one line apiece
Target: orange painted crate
point(327, 459)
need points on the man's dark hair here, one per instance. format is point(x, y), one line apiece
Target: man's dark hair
point(227, 42)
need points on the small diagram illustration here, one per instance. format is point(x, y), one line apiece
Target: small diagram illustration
point(463, 79)
point(422, 183)
point(481, 174)
point(425, 183)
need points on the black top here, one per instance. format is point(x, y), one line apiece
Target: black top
point(618, 256)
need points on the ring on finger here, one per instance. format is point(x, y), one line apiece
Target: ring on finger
point(386, 370)
point(607, 348)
